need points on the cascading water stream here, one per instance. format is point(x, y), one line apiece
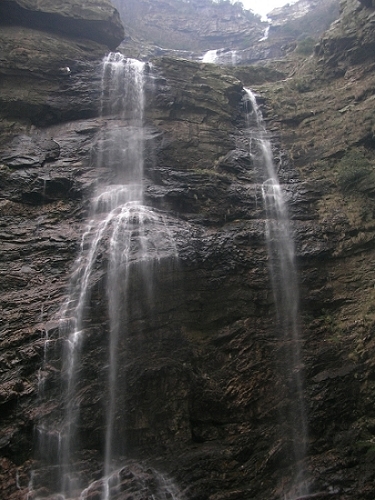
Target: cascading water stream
point(222, 56)
point(120, 147)
point(265, 34)
point(210, 56)
point(134, 239)
point(283, 274)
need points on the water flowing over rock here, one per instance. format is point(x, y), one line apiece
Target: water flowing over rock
point(192, 29)
point(202, 409)
point(138, 241)
point(283, 271)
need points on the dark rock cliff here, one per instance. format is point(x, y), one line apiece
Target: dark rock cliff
point(207, 387)
point(350, 41)
point(324, 115)
point(190, 28)
point(46, 51)
point(94, 19)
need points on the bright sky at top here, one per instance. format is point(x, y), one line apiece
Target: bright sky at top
point(262, 7)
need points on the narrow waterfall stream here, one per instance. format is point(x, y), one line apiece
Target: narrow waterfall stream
point(210, 56)
point(283, 274)
point(123, 245)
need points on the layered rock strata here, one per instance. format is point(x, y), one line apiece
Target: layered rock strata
point(93, 20)
point(206, 385)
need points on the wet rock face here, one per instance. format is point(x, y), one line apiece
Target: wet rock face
point(50, 53)
point(204, 386)
point(200, 371)
point(191, 368)
point(49, 77)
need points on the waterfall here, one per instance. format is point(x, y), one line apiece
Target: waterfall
point(265, 34)
point(123, 243)
point(222, 56)
point(283, 274)
point(234, 57)
point(210, 56)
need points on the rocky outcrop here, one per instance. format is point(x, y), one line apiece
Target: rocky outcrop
point(189, 29)
point(49, 54)
point(95, 20)
point(195, 26)
point(350, 41)
point(45, 78)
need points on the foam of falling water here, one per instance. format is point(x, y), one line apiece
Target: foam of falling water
point(114, 196)
point(142, 234)
point(222, 56)
point(234, 57)
point(283, 275)
point(150, 482)
point(134, 238)
point(210, 56)
point(265, 34)
point(123, 97)
point(72, 330)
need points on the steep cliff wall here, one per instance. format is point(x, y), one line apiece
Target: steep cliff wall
point(46, 53)
point(50, 55)
point(93, 19)
point(195, 26)
point(324, 114)
point(207, 388)
point(189, 29)
point(350, 41)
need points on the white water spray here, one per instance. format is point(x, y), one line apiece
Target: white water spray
point(283, 273)
point(133, 239)
point(265, 34)
point(222, 56)
point(210, 56)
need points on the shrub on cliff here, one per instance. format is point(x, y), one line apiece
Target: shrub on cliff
point(352, 169)
point(306, 46)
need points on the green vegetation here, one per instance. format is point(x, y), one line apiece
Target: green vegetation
point(256, 75)
point(352, 169)
point(301, 85)
point(314, 22)
point(306, 47)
